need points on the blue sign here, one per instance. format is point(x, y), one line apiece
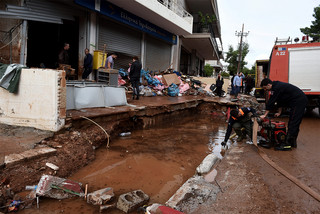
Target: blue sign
point(128, 18)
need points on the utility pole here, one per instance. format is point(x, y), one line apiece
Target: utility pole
point(241, 34)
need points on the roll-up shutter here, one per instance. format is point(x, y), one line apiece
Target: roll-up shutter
point(120, 39)
point(158, 54)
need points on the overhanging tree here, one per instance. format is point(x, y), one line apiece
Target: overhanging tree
point(314, 30)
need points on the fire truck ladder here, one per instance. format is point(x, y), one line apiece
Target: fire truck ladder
point(282, 41)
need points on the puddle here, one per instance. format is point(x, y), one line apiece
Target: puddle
point(156, 160)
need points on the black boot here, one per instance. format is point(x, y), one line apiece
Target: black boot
point(286, 146)
point(293, 142)
point(265, 144)
point(283, 147)
point(132, 96)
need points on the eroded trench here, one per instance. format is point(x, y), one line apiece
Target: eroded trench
point(161, 153)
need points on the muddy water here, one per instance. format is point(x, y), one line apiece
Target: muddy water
point(156, 160)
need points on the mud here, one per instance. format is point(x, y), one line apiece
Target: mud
point(250, 185)
point(156, 160)
point(163, 152)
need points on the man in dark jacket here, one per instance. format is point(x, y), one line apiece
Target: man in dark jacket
point(240, 118)
point(87, 64)
point(134, 75)
point(286, 95)
point(219, 84)
point(63, 57)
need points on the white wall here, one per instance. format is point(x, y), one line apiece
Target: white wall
point(39, 103)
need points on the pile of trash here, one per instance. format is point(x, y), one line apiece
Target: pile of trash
point(170, 83)
point(60, 188)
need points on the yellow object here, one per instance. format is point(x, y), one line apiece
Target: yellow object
point(99, 59)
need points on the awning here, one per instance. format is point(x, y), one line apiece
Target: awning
point(203, 44)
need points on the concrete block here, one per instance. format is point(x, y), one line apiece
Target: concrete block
point(193, 192)
point(207, 164)
point(130, 201)
point(101, 196)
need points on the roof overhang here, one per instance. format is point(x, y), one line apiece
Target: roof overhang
point(158, 14)
point(203, 44)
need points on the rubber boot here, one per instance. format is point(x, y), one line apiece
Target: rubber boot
point(283, 147)
point(286, 146)
point(294, 142)
point(240, 138)
point(265, 144)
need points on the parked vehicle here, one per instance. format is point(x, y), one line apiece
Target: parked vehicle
point(297, 64)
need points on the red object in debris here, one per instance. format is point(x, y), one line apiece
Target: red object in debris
point(228, 114)
point(168, 210)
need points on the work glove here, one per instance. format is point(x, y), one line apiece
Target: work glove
point(224, 143)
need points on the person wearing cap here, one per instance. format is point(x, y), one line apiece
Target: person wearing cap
point(286, 95)
point(240, 118)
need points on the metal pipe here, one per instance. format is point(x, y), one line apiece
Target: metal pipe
point(10, 46)
point(23, 42)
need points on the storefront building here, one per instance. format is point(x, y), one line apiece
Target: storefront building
point(162, 33)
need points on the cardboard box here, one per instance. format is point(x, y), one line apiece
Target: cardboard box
point(168, 79)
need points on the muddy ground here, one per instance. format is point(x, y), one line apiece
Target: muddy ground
point(248, 184)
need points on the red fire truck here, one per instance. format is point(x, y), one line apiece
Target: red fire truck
point(297, 64)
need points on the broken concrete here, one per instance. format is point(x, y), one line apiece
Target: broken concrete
point(130, 201)
point(12, 159)
point(193, 192)
point(207, 164)
point(101, 196)
point(52, 166)
point(106, 207)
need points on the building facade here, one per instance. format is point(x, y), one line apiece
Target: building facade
point(162, 33)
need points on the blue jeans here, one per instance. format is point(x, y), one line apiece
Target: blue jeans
point(236, 90)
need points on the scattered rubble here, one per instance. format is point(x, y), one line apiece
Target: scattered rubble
point(100, 197)
point(130, 201)
point(193, 192)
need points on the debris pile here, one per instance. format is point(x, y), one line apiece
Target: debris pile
point(170, 83)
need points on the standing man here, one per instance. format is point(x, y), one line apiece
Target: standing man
point(219, 84)
point(63, 57)
point(87, 64)
point(286, 95)
point(110, 61)
point(249, 84)
point(239, 118)
point(237, 84)
point(134, 75)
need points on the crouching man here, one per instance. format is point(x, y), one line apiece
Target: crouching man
point(240, 118)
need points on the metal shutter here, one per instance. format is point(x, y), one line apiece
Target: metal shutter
point(158, 54)
point(121, 39)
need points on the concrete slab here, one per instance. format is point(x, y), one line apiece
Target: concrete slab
point(193, 192)
point(12, 159)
